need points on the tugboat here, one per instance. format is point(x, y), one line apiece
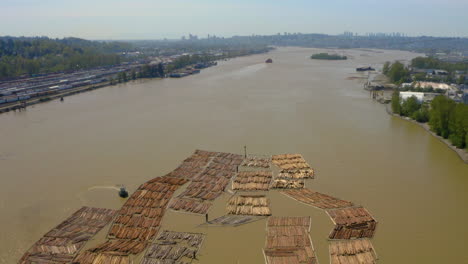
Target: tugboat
point(269, 61)
point(123, 193)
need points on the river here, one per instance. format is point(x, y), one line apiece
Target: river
point(58, 156)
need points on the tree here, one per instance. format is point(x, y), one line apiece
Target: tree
point(461, 79)
point(386, 68)
point(133, 75)
point(441, 109)
point(409, 106)
point(458, 125)
point(161, 70)
point(398, 73)
point(396, 106)
point(422, 115)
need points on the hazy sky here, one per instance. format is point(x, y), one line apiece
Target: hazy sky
point(155, 19)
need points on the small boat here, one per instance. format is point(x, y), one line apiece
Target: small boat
point(123, 193)
point(360, 69)
point(269, 61)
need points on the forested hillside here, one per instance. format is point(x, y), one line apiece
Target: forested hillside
point(19, 56)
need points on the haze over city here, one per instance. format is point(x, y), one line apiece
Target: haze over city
point(147, 19)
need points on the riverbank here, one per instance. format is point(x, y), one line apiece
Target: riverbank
point(463, 154)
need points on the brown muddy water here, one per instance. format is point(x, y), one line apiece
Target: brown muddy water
point(58, 156)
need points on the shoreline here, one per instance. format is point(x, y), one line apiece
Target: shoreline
point(462, 154)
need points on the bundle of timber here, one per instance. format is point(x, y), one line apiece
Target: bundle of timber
point(174, 247)
point(252, 180)
point(190, 205)
point(354, 222)
point(193, 165)
point(287, 184)
point(357, 251)
point(140, 216)
point(293, 166)
point(102, 258)
point(290, 221)
point(249, 205)
point(61, 244)
point(317, 199)
point(212, 182)
point(137, 222)
point(120, 245)
point(233, 220)
point(288, 241)
point(256, 162)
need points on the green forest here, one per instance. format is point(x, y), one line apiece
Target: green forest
point(433, 63)
point(29, 56)
point(326, 56)
point(446, 118)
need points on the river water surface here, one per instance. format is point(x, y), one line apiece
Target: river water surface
point(58, 156)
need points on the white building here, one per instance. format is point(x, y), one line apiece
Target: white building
point(406, 95)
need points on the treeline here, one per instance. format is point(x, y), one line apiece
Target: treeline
point(186, 60)
point(326, 56)
point(446, 118)
point(147, 71)
point(433, 63)
point(29, 56)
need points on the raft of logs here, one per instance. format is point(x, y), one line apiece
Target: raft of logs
point(353, 222)
point(252, 181)
point(233, 220)
point(356, 251)
point(287, 184)
point(293, 166)
point(256, 162)
point(61, 244)
point(249, 205)
point(174, 247)
point(137, 222)
point(212, 173)
point(316, 199)
point(288, 241)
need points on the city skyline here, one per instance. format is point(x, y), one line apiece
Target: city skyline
point(144, 19)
